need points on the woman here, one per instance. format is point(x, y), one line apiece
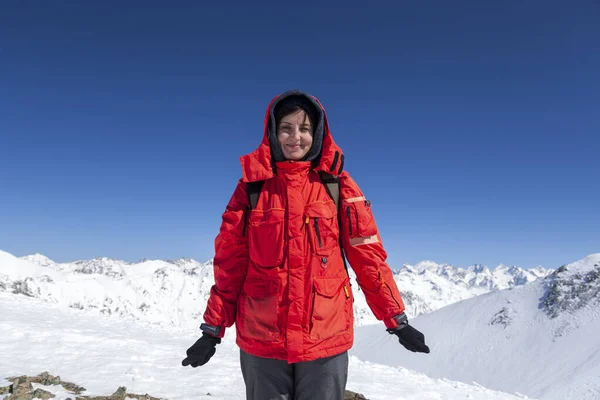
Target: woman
point(279, 270)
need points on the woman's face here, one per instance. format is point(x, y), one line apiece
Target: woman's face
point(295, 135)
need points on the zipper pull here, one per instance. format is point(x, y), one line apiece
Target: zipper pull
point(346, 290)
point(307, 220)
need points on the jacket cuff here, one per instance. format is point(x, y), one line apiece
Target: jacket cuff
point(397, 321)
point(216, 331)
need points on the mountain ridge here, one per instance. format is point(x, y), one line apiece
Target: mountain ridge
point(174, 292)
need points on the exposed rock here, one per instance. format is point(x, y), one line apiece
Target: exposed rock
point(502, 317)
point(71, 387)
point(22, 389)
point(120, 394)
point(4, 390)
point(42, 394)
point(46, 379)
point(568, 291)
point(349, 395)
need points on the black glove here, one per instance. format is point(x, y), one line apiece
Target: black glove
point(201, 351)
point(408, 336)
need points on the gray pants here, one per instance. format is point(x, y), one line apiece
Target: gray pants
point(269, 379)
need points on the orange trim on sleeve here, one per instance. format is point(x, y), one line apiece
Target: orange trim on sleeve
point(354, 199)
point(364, 240)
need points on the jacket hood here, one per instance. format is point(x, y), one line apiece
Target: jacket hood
point(311, 106)
point(324, 154)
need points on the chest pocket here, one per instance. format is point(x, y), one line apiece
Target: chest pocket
point(322, 227)
point(265, 237)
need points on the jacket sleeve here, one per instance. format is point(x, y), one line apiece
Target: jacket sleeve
point(230, 262)
point(365, 253)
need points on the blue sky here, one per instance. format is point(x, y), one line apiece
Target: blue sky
point(472, 126)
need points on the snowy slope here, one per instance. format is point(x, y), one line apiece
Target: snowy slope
point(175, 292)
point(540, 339)
point(102, 353)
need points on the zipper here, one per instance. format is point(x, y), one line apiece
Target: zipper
point(392, 295)
point(349, 220)
point(388, 288)
point(318, 232)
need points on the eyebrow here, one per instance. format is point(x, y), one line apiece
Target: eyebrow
point(290, 124)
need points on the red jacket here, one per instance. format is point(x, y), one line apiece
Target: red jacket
point(279, 273)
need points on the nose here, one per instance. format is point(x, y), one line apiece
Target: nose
point(296, 133)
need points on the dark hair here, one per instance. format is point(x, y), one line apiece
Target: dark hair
point(285, 111)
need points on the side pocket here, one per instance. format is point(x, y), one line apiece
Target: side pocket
point(258, 309)
point(330, 311)
point(265, 237)
point(359, 217)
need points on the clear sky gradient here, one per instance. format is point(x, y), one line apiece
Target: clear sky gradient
point(473, 126)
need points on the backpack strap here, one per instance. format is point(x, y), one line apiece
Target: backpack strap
point(253, 189)
point(331, 182)
point(332, 185)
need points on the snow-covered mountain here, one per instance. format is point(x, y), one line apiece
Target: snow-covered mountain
point(428, 286)
point(170, 293)
point(540, 339)
point(175, 292)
